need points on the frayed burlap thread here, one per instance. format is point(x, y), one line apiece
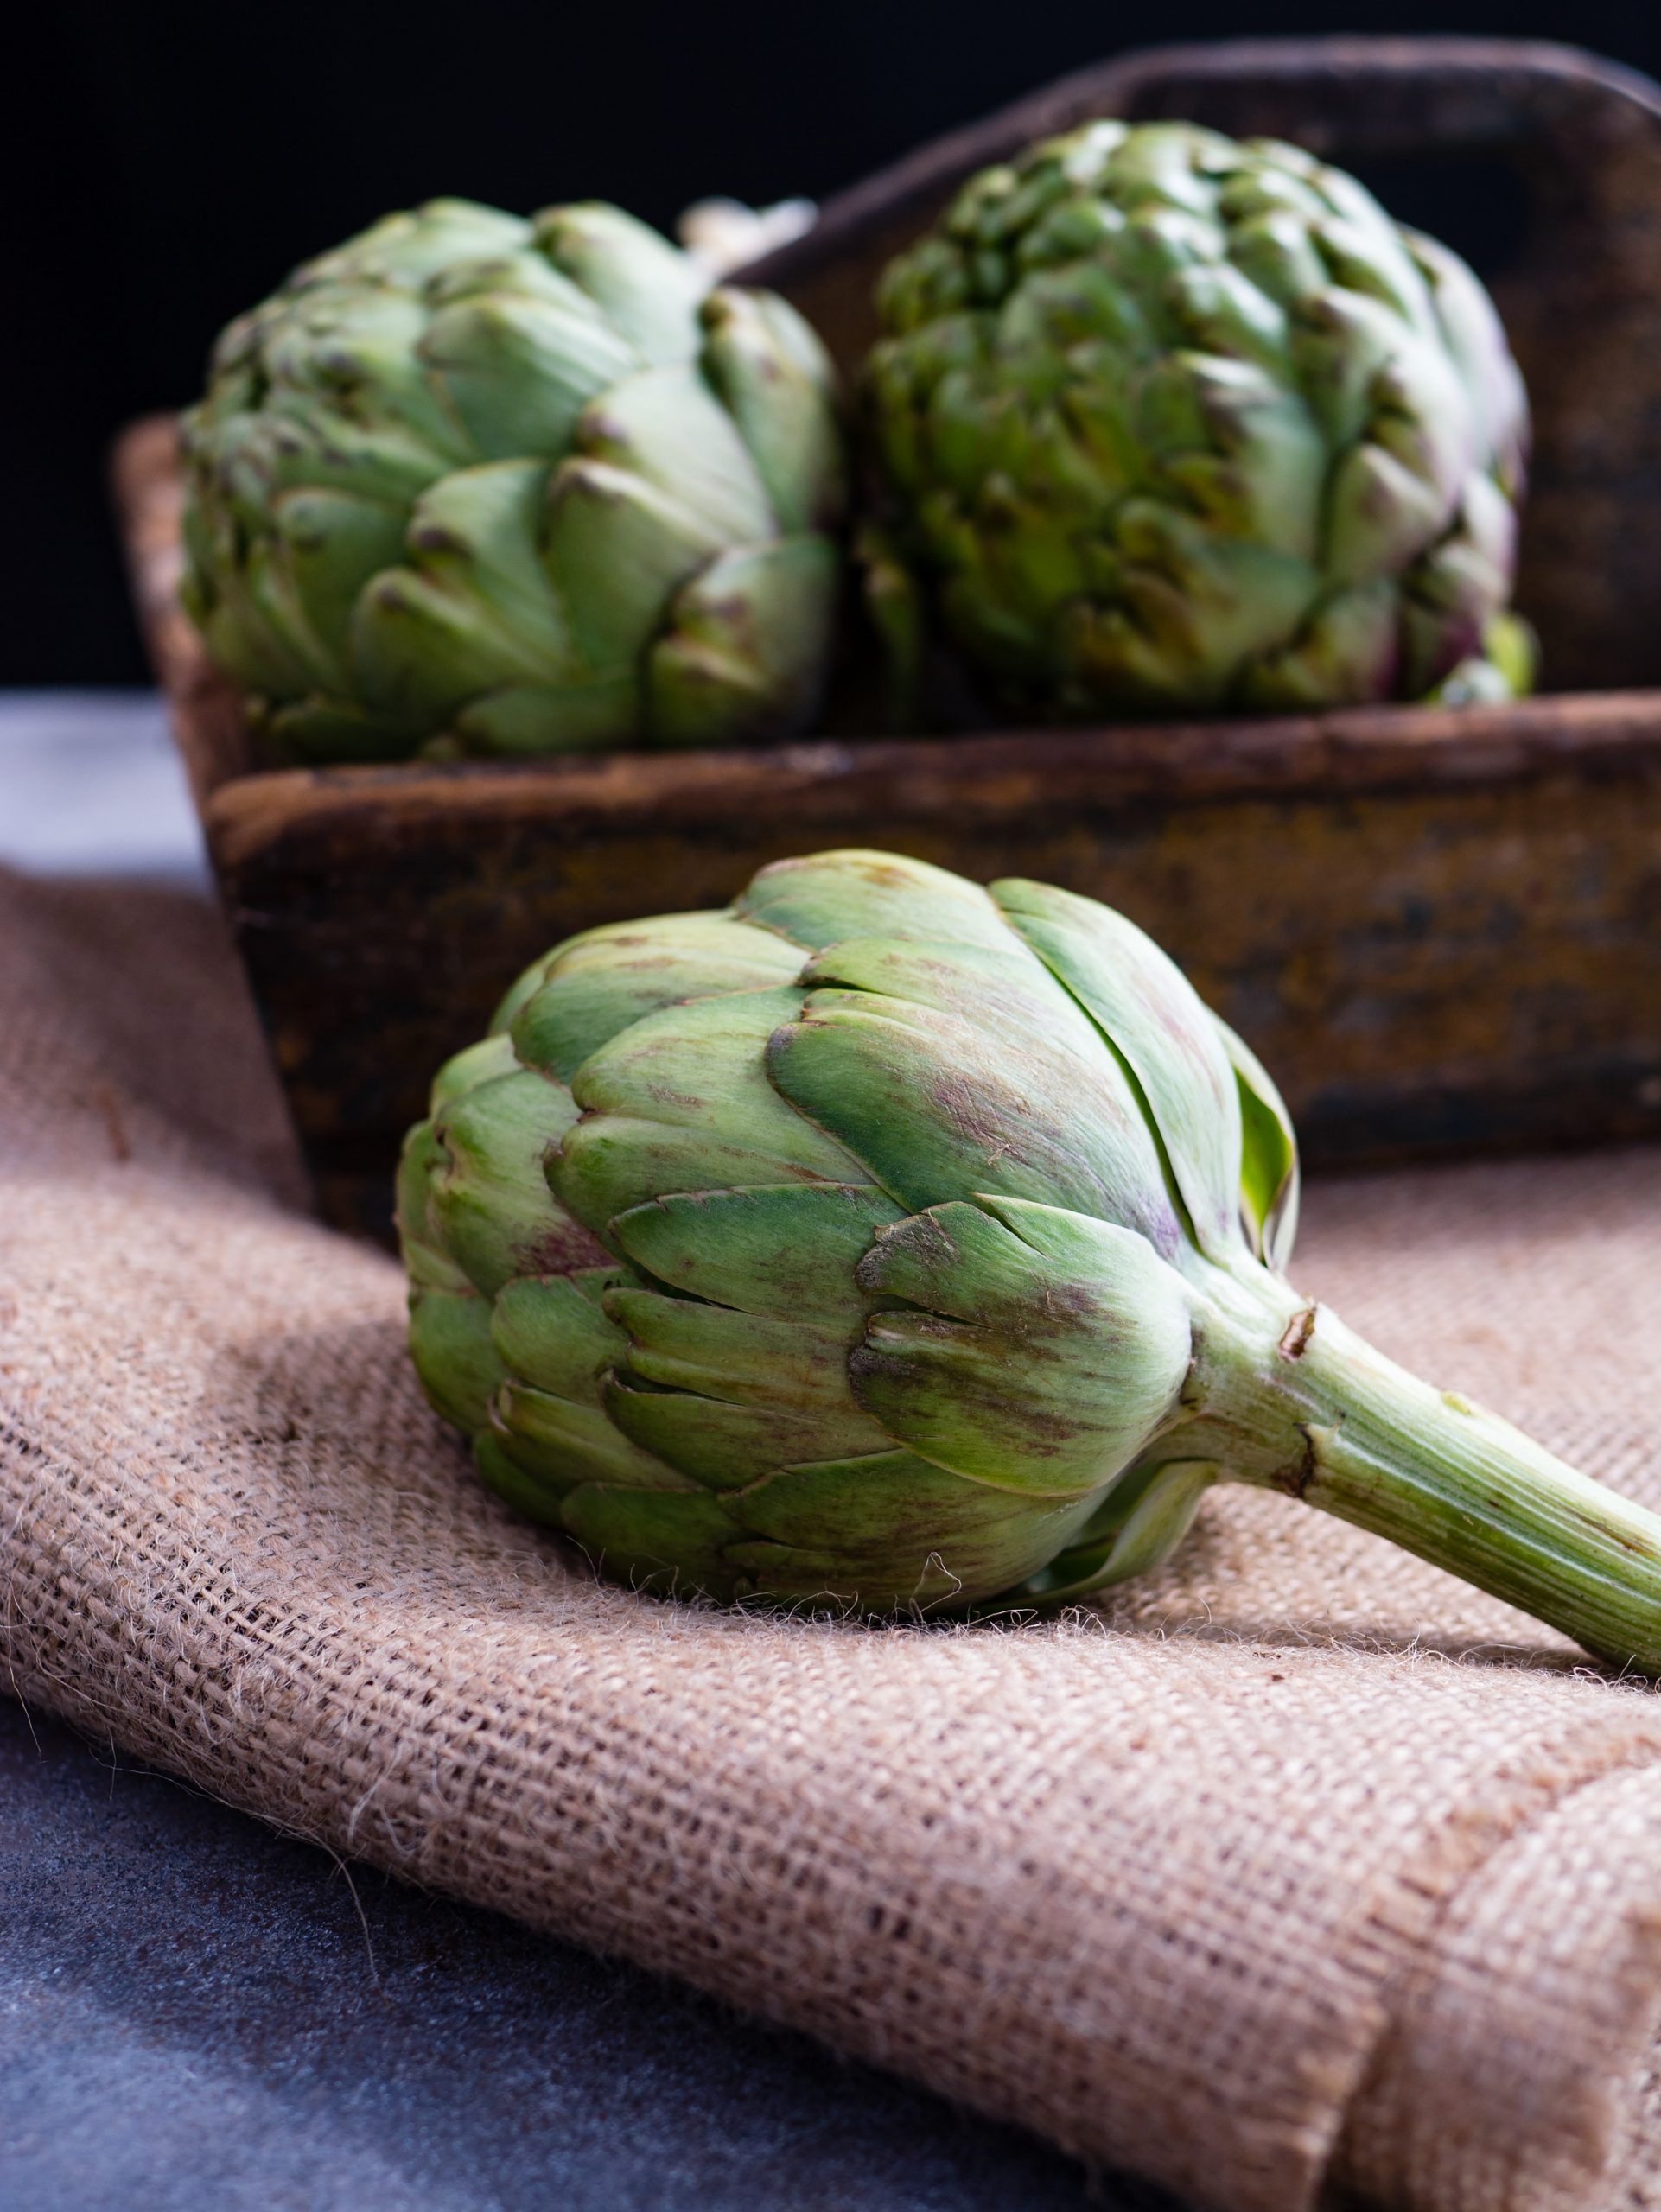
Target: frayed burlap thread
point(1299, 1870)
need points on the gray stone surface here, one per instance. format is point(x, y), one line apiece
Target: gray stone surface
point(91, 784)
point(197, 2015)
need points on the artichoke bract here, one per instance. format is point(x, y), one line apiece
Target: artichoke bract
point(482, 485)
point(885, 1241)
point(1166, 421)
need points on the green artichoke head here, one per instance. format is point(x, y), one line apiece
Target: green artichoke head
point(483, 485)
point(846, 1244)
point(1167, 422)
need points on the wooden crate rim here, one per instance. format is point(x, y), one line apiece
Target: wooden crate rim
point(1361, 750)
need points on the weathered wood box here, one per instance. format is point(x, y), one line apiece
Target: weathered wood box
point(1442, 930)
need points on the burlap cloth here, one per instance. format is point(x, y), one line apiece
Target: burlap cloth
point(1301, 1867)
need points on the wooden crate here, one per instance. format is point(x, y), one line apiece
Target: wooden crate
point(1441, 929)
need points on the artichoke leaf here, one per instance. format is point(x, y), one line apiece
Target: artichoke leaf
point(1154, 1019)
point(474, 605)
point(617, 550)
point(1365, 254)
point(1203, 601)
point(826, 897)
point(324, 730)
point(726, 1445)
point(473, 1064)
point(778, 404)
point(604, 982)
point(1348, 649)
point(300, 444)
point(1008, 986)
point(667, 426)
point(795, 337)
point(539, 1501)
point(477, 531)
point(1381, 516)
point(256, 617)
point(748, 640)
point(698, 1066)
point(1046, 1351)
point(565, 1443)
point(456, 1361)
point(1224, 313)
point(1475, 338)
point(1341, 344)
point(746, 1359)
point(1269, 1168)
point(420, 646)
point(789, 1250)
point(1270, 244)
point(613, 1163)
point(518, 276)
point(1267, 478)
point(412, 246)
point(892, 1531)
point(580, 714)
point(420, 1243)
point(935, 1109)
point(553, 1332)
point(650, 292)
point(518, 371)
point(490, 1202)
point(333, 541)
point(350, 355)
point(1132, 1535)
point(663, 1541)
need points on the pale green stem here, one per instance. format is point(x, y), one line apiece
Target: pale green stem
point(1287, 1396)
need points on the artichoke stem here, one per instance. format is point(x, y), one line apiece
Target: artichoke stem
point(1317, 1412)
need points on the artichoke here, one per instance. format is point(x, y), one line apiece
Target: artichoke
point(1165, 421)
point(885, 1242)
point(480, 484)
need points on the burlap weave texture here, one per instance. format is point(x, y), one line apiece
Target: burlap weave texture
point(1301, 1867)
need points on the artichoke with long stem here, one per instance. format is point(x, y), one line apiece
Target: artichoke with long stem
point(885, 1242)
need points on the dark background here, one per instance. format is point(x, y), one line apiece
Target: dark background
point(175, 158)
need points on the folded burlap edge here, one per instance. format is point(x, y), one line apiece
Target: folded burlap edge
point(1494, 1947)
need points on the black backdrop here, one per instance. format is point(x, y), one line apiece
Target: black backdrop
point(173, 157)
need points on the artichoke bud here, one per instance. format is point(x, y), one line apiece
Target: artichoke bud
point(1234, 332)
point(478, 485)
point(838, 1245)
